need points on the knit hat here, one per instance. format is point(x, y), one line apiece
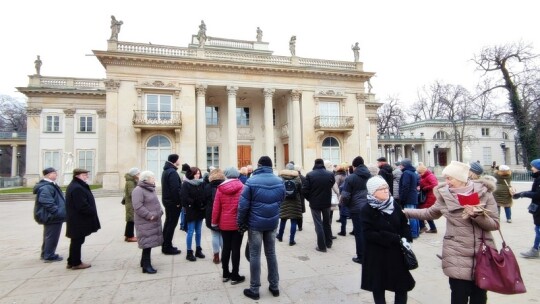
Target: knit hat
point(406, 162)
point(134, 171)
point(231, 172)
point(290, 166)
point(458, 171)
point(186, 167)
point(173, 158)
point(381, 159)
point(357, 161)
point(536, 163)
point(398, 163)
point(375, 183)
point(264, 161)
point(48, 170)
point(476, 168)
point(504, 168)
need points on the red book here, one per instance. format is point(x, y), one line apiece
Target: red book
point(471, 199)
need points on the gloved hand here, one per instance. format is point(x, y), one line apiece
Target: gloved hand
point(406, 244)
point(517, 195)
point(215, 227)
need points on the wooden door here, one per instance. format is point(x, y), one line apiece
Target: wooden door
point(244, 156)
point(286, 153)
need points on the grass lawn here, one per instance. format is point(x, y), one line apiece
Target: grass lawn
point(29, 189)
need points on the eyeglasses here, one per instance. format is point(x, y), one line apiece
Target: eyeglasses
point(383, 189)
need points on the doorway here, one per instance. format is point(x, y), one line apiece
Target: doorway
point(244, 155)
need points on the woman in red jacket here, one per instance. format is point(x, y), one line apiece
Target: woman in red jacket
point(224, 216)
point(428, 181)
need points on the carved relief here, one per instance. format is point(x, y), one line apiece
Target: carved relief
point(268, 93)
point(245, 133)
point(112, 85)
point(69, 113)
point(200, 90)
point(101, 113)
point(158, 84)
point(295, 94)
point(33, 111)
point(330, 93)
point(231, 91)
point(361, 97)
point(139, 92)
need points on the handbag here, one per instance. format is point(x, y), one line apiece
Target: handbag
point(409, 257)
point(511, 189)
point(123, 202)
point(421, 197)
point(532, 208)
point(497, 271)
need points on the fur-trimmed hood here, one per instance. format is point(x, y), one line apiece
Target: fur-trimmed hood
point(482, 186)
point(288, 174)
point(504, 173)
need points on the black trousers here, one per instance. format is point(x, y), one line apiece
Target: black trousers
point(51, 235)
point(74, 258)
point(145, 257)
point(172, 215)
point(400, 297)
point(130, 229)
point(466, 292)
point(232, 241)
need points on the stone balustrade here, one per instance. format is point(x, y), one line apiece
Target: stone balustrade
point(66, 82)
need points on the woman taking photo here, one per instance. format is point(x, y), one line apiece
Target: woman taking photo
point(464, 225)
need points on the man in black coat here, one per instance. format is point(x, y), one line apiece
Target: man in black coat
point(82, 218)
point(170, 196)
point(317, 189)
point(385, 171)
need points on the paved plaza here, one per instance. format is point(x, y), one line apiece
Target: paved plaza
point(306, 276)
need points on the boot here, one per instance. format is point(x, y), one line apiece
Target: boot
point(216, 258)
point(190, 256)
point(198, 253)
point(147, 266)
point(531, 254)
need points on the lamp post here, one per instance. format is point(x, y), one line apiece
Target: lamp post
point(19, 163)
point(436, 155)
point(429, 158)
point(503, 147)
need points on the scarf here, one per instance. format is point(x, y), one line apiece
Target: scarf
point(386, 207)
point(467, 190)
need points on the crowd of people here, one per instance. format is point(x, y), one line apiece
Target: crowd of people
point(387, 205)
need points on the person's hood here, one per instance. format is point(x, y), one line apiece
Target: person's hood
point(128, 177)
point(504, 173)
point(362, 171)
point(194, 182)
point(231, 186)
point(147, 186)
point(169, 165)
point(288, 174)
point(409, 168)
point(40, 184)
point(426, 173)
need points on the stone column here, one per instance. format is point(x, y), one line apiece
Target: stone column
point(268, 122)
point(102, 136)
point(201, 125)
point(111, 176)
point(231, 126)
point(14, 161)
point(33, 145)
point(69, 136)
point(296, 127)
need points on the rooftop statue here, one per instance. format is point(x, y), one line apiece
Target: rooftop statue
point(37, 64)
point(259, 34)
point(201, 35)
point(115, 28)
point(356, 51)
point(292, 45)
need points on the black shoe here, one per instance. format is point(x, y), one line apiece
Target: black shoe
point(55, 258)
point(237, 279)
point(149, 269)
point(334, 237)
point(320, 250)
point(299, 228)
point(279, 238)
point(226, 278)
point(171, 251)
point(292, 243)
point(342, 233)
point(275, 292)
point(250, 294)
point(199, 254)
point(190, 257)
point(338, 221)
point(351, 233)
point(357, 260)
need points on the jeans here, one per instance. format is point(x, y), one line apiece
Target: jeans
point(194, 226)
point(172, 213)
point(414, 223)
point(399, 298)
point(343, 221)
point(507, 212)
point(537, 237)
point(256, 239)
point(51, 235)
point(321, 221)
point(358, 234)
point(463, 290)
point(232, 241)
point(74, 258)
point(217, 241)
point(282, 224)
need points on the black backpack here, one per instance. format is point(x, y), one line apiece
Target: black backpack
point(290, 189)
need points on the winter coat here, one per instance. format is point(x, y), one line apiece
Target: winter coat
point(397, 177)
point(243, 178)
point(384, 267)
point(534, 195)
point(318, 187)
point(225, 209)
point(428, 181)
point(461, 239)
point(502, 194)
point(50, 204)
point(146, 205)
point(131, 183)
point(408, 195)
point(82, 218)
point(171, 185)
point(354, 193)
point(193, 200)
point(291, 208)
point(260, 201)
point(210, 188)
point(385, 171)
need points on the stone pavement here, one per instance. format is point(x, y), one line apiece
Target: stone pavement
point(306, 276)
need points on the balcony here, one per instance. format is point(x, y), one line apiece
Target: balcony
point(334, 123)
point(157, 119)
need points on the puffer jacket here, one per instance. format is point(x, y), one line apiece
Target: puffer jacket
point(408, 195)
point(291, 208)
point(131, 183)
point(502, 193)
point(397, 177)
point(318, 187)
point(225, 209)
point(50, 204)
point(193, 200)
point(215, 178)
point(354, 192)
point(534, 195)
point(461, 240)
point(428, 181)
point(146, 205)
point(260, 201)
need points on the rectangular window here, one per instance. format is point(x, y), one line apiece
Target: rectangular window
point(485, 131)
point(242, 116)
point(212, 116)
point(274, 117)
point(329, 112)
point(486, 155)
point(52, 123)
point(212, 156)
point(51, 159)
point(158, 107)
point(86, 161)
point(86, 124)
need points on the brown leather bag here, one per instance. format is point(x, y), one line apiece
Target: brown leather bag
point(498, 271)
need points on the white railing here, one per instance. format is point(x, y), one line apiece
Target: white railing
point(163, 50)
point(237, 44)
point(68, 82)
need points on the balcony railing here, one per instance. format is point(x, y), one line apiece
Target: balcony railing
point(157, 119)
point(337, 123)
point(12, 135)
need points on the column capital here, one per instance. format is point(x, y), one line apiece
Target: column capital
point(101, 113)
point(361, 97)
point(69, 112)
point(33, 111)
point(112, 85)
point(231, 91)
point(268, 92)
point(295, 94)
point(200, 89)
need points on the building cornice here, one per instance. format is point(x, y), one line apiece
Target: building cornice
point(58, 92)
point(442, 123)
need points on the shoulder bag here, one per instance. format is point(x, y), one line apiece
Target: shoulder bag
point(511, 189)
point(409, 257)
point(497, 271)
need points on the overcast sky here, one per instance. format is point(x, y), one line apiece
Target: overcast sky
point(408, 44)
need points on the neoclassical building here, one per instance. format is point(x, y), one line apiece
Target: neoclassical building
point(217, 102)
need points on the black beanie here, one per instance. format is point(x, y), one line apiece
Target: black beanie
point(264, 161)
point(173, 158)
point(357, 161)
point(319, 161)
point(186, 167)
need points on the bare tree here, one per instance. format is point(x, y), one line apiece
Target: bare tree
point(428, 105)
point(390, 116)
point(518, 76)
point(12, 114)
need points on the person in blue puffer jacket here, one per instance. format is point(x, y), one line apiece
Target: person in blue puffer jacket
point(258, 210)
point(408, 192)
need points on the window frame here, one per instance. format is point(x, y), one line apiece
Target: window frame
point(85, 165)
point(211, 120)
point(212, 156)
point(243, 118)
point(52, 124)
point(92, 124)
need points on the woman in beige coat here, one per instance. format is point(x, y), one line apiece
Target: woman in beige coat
point(464, 226)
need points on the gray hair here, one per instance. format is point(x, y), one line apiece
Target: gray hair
point(145, 175)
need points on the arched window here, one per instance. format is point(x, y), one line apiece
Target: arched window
point(158, 149)
point(441, 135)
point(331, 150)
